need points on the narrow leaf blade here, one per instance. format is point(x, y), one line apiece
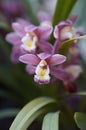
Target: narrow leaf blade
point(80, 119)
point(51, 121)
point(65, 45)
point(30, 109)
point(8, 113)
point(62, 11)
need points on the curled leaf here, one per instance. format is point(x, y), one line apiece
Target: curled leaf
point(80, 119)
point(30, 111)
point(51, 121)
point(65, 45)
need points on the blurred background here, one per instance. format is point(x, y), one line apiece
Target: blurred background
point(16, 86)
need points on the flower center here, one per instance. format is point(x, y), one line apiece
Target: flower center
point(43, 68)
point(29, 42)
point(42, 72)
point(67, 32)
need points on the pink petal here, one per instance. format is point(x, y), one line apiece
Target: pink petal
point(30, 69)
point(57, 59)
point(56, 46)
point(23, 22)
point(44, 56)
point(59, 74)
point(30, 28)
point(44, 32)
point(16, 52)
point(59, 26)
point(19, 29)
point(13, 38)
point(30, 59)
point(56, 32)
point(43, 16)
point(45, 46)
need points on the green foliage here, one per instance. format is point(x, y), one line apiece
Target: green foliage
point(65, 45)
point(51, 121)
point(8, 113)
point(81, 93)
point(80, 119)
point(31, 111)
point(63, 9)
point(24, 89)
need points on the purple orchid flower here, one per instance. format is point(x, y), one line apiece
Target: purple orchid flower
point(67, 73)
point(15, 39)
point(68, 76)
point(64, 30)
point(41, 65)
point(29, 37)
point(37, 37)
point(72, 70)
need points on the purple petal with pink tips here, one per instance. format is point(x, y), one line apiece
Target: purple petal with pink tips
point(44, 56)
point(30, 28)
point(60, 26)
point(23, 22)
point(59, 74)
point(56, 47)
point(57, 59)
point(16, 52)
point(30, 59)
point(44, 32)
point(18, 28)
point(13, 38)
point(43, 16)
point(30, 69)
point(45, 46)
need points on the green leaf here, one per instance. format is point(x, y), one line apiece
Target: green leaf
point(51, 121)
point(81, 93)
point(62, 11)
point(7, 95)
point(30, 112)
point(8, 113)
point(5, 26)
point(65, 45)
point(80, 119)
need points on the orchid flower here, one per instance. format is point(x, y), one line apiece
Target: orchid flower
point(69, 72)
point(64, 30)
point(41, 65)
point(29, 38)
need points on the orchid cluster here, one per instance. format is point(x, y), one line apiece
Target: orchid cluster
point(31, 45)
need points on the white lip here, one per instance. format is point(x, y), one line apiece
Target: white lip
point(42, 74)
point(25, 40)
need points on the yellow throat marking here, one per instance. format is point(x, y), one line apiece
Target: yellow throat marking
point(30, 42)
point(42, 73)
